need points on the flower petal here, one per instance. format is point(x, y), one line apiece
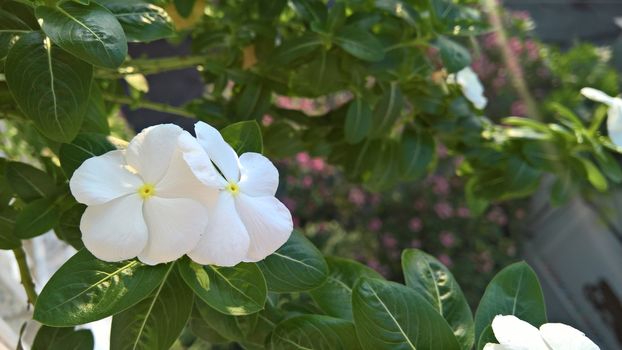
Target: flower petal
point(116, 230)
point(597, 95)
point(175, 227)
point(268, 222)
point(472, 88)
point(562, 337)
point(512, 332)
point(259, 177)
point(614, 122)
point(225, 241)
point(103, 178)
point(493, 346)
point(150, 151)
point(218, 150)
point(199, 162)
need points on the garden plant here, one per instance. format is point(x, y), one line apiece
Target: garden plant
point(181, 239)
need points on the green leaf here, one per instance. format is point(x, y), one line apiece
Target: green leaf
point(7, 227)
point(83, 147)
point(310, 10)
point(68, 229)
point(334, 297)
point(86, 289)
point(237, 290)
point(359, 43)
point(184, 7)
point(23, 12)
point(594, 176)
point(487, 336)
point(388, 315)
point(10, 23)
point(157, 321)
point(28, 182)
point(314, 332)
point(295, 267)
point(454, 56)
point(358, 121)
point(416, 153)
point(296, 48)
point(244, 136)
point(53, 338)
point(609, 165)
point(37, 218)
point(433, 281)
point(387, 111)
point(89, 32)
point(140, 20)
point(50, 86)
point(515, 290)
point(253, 101)
point(96, 116)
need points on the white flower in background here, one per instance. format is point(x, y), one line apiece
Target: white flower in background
point(515, 334)
point(246, 221)
point(140, 200)
point(614, 115)
point(471, 87)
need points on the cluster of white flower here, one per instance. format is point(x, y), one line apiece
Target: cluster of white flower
point(515, 334)
point(169, 194)
point(470, 85)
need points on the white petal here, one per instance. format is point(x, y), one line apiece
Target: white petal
point(116, 230)
point(268, 222)
point(614, 122)
point(199, 162)
point(517, 334)
point(103, 178)
point(471, 87)
point(175, 227)
point(492, 346)
point(259, 176)
point(597, 95)
point(150, 151)
point(562, 337)
point(218, 150)
point(225, 241)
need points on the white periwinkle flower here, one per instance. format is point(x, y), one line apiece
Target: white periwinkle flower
point(614, 115)
point(471, 87)
point(247, 222)
point(515, 334)
point(140, 200)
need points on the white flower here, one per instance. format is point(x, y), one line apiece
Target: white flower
point(614, 115)
point(515, 334)
point(471, 87)
point(247, 223)
point(140, 200)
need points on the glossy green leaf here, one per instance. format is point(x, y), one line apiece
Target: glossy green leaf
point(359, 43)
point(454, 56)
point(28, 182)
point(96, 115)
point(83, 147)
point(310, 10)
point(8, 240)
point(50, 85)
point(37, 218)
point(10, 23)
point(487, 336)
point(86, 289)
point(63, 338)
point(358, 121)
point(515, 290)
point(141, 21)
point(68, 229)
point(23, 12)
point(594, 176)
point(253, 101)
point(314, 332)
point(200, 328)
point(417, 150)
point(157, 321)
point(334, 297)
point(435, 283)
point(244, 136)
point(184, 7)
point(237, 290)
point(387, 111)
point(296, 48)
point(388, 315)
point(89, 32)
point(295, 267)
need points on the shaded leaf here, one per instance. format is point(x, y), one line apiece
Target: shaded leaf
point(244, 136)
point(64, 338)
point(358, 121)
point(314, 332)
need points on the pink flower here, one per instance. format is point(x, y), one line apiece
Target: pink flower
point(356, 196)
point(375, 199)
point(490, 40)
point(307, 181)
point(515, 45)
point(307, 105)
point(500, 80)
point(415, 243)
point(296, 221)
point(518, 108)
point(533, 52)
point(485, 262)
point(441, 151)
point(291, 180)
point(497, 215)
point(519, 213)
point(447, 239)
point(290, 203)
point(374, 224)
point(464, 212)
point(284, 102)
point(415, 224)
point(443, 210)
point(420, 204)
point(389, 241)
point(303, 159)
point(440, 185)
point(445, 260)
point(267, 120)
point(318, 164)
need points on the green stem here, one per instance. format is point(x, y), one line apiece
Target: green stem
point(152, 66)
point(24, 273)
point(160, 107)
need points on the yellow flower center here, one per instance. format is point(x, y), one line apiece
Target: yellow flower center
point(233, 188)
point(146, 191)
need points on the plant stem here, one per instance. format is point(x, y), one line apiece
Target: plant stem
point(24, 273)
point(152, 66)
point(160, 107)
